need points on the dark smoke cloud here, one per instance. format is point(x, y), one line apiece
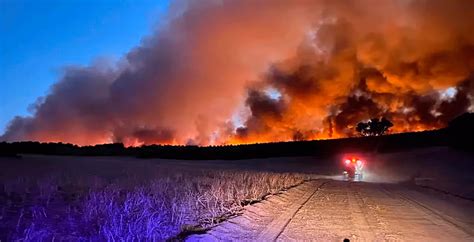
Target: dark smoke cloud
point(77, 105)
point(334, 63)
point(188, 77)
point(154, 136)
point(261, 107)
point(378, 60)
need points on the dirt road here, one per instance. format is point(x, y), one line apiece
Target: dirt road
point(326, 210)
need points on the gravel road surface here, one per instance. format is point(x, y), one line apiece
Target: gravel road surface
point(328, 210)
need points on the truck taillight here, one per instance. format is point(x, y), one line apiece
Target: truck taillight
point(348, 162)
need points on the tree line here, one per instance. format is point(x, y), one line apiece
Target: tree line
point(459, 134)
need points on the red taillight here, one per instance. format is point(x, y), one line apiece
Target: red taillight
point(359, 162)
point(348, 162)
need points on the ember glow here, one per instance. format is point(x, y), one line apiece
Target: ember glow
point(228, 72)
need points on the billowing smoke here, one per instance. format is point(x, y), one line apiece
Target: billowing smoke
point(409, 61)
point(285, 70)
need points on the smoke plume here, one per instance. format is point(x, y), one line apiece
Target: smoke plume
point(283, 69)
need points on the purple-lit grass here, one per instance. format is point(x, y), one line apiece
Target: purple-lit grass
point(90, 208)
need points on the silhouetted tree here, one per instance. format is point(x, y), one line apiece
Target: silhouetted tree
point(298, 136)
point(362, 128)
point(374, 127)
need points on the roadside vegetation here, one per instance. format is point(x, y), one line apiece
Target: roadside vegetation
point(168, 206)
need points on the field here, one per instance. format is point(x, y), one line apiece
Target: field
point(45, 198)
point(105, 198)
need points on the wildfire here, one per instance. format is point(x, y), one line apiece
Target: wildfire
point(233, 72)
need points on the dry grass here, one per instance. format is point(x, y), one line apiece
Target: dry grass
point(87, 207)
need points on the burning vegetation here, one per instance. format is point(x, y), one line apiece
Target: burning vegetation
point(227, 72)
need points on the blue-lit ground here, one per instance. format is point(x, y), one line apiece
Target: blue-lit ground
point(118, 199)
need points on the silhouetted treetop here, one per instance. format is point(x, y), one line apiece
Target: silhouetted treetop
point(374, 127)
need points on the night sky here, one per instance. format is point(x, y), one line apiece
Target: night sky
point(40, 38)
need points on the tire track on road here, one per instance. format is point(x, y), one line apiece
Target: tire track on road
point(323, 210)
point(277, 226)
point(442, 219)
point(257, 218)
point(331, 215)
point(410, 219)
point(359, 213)
point(376, 203)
